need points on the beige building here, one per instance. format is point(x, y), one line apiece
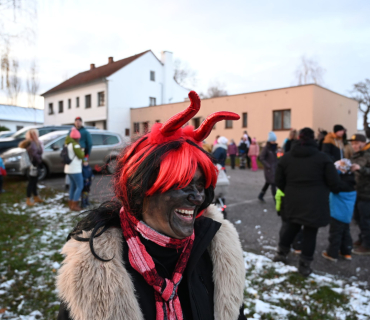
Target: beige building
point(276, 110)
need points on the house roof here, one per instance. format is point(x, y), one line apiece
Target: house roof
point(94, 74)
point(14, 113)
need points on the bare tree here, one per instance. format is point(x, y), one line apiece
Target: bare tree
point(32, 84)
point(309, 71)
point(184, 75)
point(15, 83)
point(361, 92)
point(12, 30)
point(216, 89)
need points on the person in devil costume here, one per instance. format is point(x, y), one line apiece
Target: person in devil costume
point(160, 251)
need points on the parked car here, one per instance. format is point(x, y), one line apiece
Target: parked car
point(106, 147)
point(5, 134)
point(13, 141)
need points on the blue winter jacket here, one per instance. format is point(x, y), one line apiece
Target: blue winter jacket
point(342, 205)
point(2, 163)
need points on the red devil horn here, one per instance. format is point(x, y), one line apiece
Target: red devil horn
point(205, 128)
point(178, 120)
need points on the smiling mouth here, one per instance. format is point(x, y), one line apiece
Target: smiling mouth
point(185, 214)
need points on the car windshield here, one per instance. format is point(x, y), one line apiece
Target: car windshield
point(52, 136)
point(20, 134)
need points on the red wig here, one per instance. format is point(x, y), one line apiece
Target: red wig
point(167, 157)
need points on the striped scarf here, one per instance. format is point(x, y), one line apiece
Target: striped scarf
point(167, 302)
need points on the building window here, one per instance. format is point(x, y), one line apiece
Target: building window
point(101, 98)
point(60, 107)
point(145, 127)
point(152, 76)
point(127, 132)
point(245, 119)
point(196, 122)
point(69, 104)
point(136, 127)
point(51, 110)
point(281, 120)
point(88, 101)
point(152, 101)
point(77, 102)
point(228, 124)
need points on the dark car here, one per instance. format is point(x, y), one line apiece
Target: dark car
point(13, 141)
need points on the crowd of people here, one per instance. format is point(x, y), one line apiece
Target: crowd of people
point(333, 188)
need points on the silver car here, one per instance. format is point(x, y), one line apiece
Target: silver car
point(106, 147)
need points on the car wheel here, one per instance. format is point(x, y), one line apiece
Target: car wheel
point(111, 165)
point(43, 172)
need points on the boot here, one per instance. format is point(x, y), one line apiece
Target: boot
point(69, 204)
point(304, 267)
point(37, 199)
point(29, 202)
point(281, 255)
point(75, 206)
point(260, 196)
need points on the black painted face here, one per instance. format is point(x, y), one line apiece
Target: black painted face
point(173, 212)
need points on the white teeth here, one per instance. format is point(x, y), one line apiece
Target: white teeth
point(190, 212)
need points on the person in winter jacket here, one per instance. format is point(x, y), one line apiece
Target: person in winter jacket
point(2, 170)
point(74, 169)
point(306, 176)
point(34, 149)
point(293, 136)
point(232, 151)
point(87, 175)
point(361, 168)
point(253, 152)
point(268, 158)
point(321, 137)
point(341, 212)
point(333, 143)
point(220, 151)
point(243, 149)
point(162, 251)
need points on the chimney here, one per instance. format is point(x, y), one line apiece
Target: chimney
point(92, 66)
point(110, 60)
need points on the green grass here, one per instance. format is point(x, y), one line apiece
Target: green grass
point(30, 241)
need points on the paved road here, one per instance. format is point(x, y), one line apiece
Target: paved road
point(256, 222)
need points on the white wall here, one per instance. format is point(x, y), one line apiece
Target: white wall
point(12, 125)
point(94, 113)
point(131, 87)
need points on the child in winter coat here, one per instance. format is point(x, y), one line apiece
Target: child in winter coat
point(254, 151)
point(341, 210)
point(87, 175)
point(2, 173)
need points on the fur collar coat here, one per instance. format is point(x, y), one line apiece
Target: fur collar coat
point(96, 290)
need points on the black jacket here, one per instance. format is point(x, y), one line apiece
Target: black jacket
point(268, 158)
point(333, 147)
point(362, 158)
point(196, 288)
point(307, 176)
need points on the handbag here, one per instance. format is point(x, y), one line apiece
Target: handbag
point(25, 162)
point(34, 171)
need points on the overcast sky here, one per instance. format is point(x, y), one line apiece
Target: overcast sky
point(247, 45)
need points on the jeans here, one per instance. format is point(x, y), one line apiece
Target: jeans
point(289, 231)
point(32, 186)
point(232, 161)
point(362, 210)
point(273, 189)
point(76, 186)
point(339, 239)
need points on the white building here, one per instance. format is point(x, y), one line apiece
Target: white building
point(15, 118)
point(103, 96)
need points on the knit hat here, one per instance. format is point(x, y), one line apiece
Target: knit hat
point(254, 140)
point(222, 140)
point(338, 127)
point(272, 137)
point(75, 134)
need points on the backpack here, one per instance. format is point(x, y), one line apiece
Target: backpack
point(64, 155)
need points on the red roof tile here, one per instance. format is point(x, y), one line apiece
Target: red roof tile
point(94, 74)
